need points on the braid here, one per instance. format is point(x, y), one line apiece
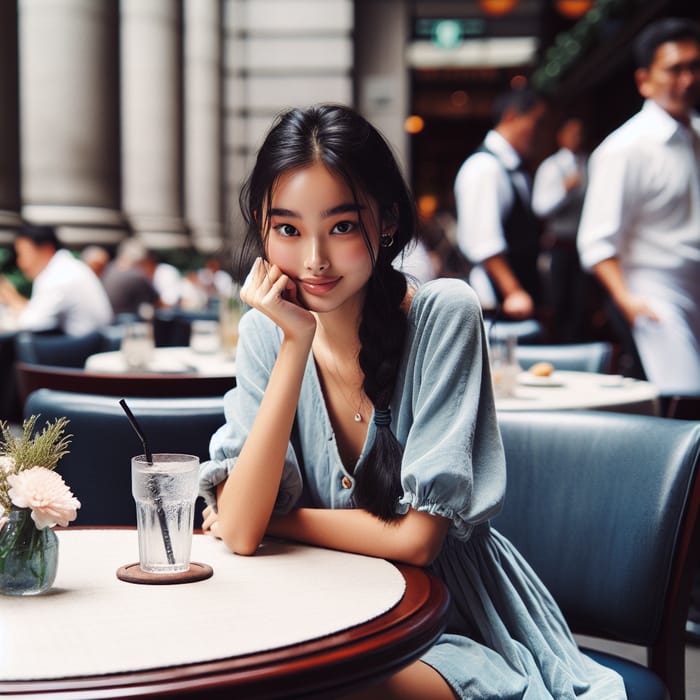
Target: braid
point(382, 335)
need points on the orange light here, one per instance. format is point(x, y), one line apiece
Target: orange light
point(497, 7)
point(573, 9)
point(414, 124)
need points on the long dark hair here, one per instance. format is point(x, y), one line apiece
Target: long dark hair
point(347, 144)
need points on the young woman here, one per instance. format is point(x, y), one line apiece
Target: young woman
point(363, 418)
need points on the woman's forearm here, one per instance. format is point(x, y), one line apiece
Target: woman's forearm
point(415, 538)
point(246, 500)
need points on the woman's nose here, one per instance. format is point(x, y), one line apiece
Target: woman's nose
point(316, 259)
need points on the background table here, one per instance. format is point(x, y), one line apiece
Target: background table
point(291, 621)
point(169, 359)
point(582, 390)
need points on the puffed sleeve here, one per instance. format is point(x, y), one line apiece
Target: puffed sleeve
point(255, 356)
point(453, 462)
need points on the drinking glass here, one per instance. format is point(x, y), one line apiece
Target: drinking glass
point(231, 309)
point(137, 345)
point(505, 367)
point(205, 337)
point(165, 491)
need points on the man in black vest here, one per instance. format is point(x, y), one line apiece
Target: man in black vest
point(496, 228)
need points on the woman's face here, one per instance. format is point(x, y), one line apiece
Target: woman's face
point(315, 236)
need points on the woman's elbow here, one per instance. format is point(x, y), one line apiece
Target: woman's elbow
point(422, 555)
point(239, 542)
point(242, 547)
point(423, 535)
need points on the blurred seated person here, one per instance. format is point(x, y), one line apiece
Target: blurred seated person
point(66, 294)
point(128, 279)
point(168, 282)
point(215, 281)
point(96, 258)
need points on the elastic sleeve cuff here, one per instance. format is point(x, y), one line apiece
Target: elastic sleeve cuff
point(459, 528)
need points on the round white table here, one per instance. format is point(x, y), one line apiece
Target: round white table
point(565, 390)
point(290, 617)
point(176, 360)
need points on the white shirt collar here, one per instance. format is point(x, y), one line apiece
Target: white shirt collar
point(663, 124)
point(498, 145)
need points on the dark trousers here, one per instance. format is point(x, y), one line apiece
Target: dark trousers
point(568, 285)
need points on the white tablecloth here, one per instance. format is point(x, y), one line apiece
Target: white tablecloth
point(171, 359)
point(92, 623)
point(581, 390)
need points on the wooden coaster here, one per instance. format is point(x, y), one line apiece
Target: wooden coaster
point(133, 573)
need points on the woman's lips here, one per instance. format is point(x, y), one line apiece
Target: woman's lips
point(319, 286)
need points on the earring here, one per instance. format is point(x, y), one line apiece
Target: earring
point(386, 240)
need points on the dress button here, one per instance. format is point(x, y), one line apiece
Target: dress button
point(346, 481)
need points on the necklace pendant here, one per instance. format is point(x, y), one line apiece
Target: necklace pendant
point(358, 418)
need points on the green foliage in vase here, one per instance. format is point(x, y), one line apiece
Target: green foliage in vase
point(43, 449)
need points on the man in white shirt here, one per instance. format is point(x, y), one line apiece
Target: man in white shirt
point(640, 228)
point(67, 296)
point(557, 198)
point(496, 228)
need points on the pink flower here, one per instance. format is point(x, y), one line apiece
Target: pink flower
point(45, 492)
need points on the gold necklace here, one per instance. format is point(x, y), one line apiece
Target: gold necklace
point(357, 416)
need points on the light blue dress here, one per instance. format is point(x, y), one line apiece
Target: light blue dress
point(506, 638)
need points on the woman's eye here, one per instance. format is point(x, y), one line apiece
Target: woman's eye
point(344, 227)
point(287, 230)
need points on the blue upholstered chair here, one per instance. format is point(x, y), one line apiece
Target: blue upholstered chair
point(604, 507)
point(57, 349)
point(578, 357)
point(525, 332)
point(98, 468)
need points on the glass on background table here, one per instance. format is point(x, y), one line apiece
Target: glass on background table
point(293, 620)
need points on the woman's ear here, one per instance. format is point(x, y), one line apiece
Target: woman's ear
point(391, 221)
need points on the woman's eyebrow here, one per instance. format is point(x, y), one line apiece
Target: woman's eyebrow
point(343, 209)
point(334, 211)
point(284, 212)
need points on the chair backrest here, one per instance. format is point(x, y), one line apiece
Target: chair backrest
point(685, 407)
point(32, 377)
point(578, 357)
point(98, 467)
point(57, 349)
point(604, 506)
point(525, 332)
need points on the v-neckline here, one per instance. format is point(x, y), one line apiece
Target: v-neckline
point(318, 389)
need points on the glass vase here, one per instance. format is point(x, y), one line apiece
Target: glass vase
point(28, 556)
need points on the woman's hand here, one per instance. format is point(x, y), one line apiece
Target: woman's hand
point(269, 290)
point(210, 524)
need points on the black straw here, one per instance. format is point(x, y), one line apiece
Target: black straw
point(156, 498)
point(137, 428)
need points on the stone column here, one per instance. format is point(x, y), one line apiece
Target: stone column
point(70, 118)
point(151, 111)
point(381, 71)
point(9, 124)
point(203, 137)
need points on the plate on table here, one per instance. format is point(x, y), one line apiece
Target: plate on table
point(170, 366)
point(529, 379)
